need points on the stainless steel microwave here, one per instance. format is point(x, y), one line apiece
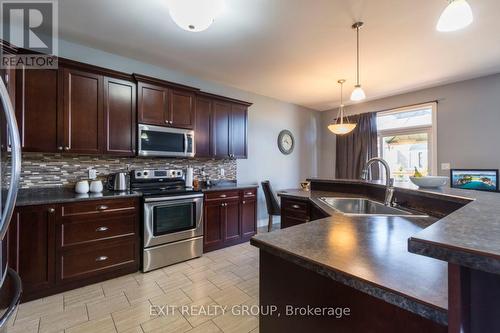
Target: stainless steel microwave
point(165, 141)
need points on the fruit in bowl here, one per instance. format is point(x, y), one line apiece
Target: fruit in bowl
point(428, 181)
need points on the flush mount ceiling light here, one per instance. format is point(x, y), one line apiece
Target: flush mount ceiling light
point(195, 15)
point(340, 127)
point(357, 94)
point(457, 15)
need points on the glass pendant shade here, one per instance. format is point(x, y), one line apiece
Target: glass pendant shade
point(194, 15)
point(341, 129)
point(358, 94)
point(457, 15)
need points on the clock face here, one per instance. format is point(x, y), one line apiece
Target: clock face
point(286, 142)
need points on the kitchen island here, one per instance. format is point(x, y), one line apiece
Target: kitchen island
point(363, 263)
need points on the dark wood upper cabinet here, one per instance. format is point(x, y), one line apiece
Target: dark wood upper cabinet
point(181, 109)
point(37, 109)
point(221, 129)
point(203, 121)
point(32, 246)
point(165, 103)
point(153, 104)
point(83, 111)
point(119, 117)
point(239, 116)
point(9, 78)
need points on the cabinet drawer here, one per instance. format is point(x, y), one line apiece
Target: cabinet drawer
point(222, 195)
point(249, 193)
point(289, 221)
point(296, 206)
point(88, 261)
point(98, 207)
point(79, 231)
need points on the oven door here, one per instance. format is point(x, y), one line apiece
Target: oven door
point(171, 219)
point(165, 141)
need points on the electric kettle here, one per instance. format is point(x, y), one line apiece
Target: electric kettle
point(118, 181)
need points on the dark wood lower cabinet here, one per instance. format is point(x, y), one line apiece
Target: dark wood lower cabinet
point(283, 284)
point(295, 211)
point(60, 247)
point(230, 217)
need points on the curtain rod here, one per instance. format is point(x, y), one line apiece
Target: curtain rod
point(398, 107)
point(410, 105)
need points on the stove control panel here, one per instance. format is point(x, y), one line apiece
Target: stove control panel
point(157, 174)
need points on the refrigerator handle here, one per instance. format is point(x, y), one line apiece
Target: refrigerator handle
point(10, 118)
point(16, 280)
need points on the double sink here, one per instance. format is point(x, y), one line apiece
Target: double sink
point(366, 207)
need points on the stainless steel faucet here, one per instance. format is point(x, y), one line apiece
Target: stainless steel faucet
point(389, 184)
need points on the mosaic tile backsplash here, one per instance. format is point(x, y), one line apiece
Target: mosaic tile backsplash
point(51, 170)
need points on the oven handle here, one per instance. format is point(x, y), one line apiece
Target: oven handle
point(173, 198)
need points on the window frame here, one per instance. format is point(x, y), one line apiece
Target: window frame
point(431, 131)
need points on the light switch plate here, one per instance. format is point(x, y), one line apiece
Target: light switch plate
point(92, 173)
point(445, 166)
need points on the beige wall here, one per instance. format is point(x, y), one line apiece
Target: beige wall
point(468, 123)
point(267, 117)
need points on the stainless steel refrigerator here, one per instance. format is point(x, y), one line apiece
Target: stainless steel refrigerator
point(10, 171)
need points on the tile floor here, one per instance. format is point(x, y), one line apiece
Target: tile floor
point(224, 277)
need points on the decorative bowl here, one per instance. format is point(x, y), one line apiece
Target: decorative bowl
point(429, 181)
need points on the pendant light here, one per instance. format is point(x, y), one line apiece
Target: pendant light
point(357, 94)
point(194, 15)
point(340, 127)
point(457, 15)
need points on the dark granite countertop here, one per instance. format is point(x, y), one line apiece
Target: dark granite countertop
point(53, 195)
point(228, 185)
point(367, 253)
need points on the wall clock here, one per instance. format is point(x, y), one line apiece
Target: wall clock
point(286, 142)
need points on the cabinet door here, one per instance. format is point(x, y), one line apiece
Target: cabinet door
point(37, 107)
point(232, 220)
point(203, 114)
point(83, 116)
point(181, 109)
point(152, 104)
point(32, 246)
point(9, 78)
point(238, 131)
point(213, 228)
point(248, 217)
point(119, 117)
point(220, 129)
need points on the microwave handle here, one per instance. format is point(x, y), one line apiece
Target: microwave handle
point(186, 143)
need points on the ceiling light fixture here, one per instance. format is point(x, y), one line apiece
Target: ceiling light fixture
point(340, 127)
point(195, 15)
point(357, 94)
point(457, 15)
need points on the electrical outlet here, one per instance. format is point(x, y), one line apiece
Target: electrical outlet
point(92, 173)
point(445, 166)
point(222, 172)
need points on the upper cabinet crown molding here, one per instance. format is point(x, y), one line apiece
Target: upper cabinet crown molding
point(163, 83)
point(224, 98)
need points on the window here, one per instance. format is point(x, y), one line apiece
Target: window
point(407, 140)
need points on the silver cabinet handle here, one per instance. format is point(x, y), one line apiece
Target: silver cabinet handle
point(101, 229)
point(223, 195)
point(296, 206)
point(60, 148)
point(51, 210)
point(66, 148)
point(102, 207)
point(244, 202)
point(101, 258)
point(167, 122)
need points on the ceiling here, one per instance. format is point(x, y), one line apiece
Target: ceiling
point(296, 50)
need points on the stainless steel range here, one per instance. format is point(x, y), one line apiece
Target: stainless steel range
point(173, 217)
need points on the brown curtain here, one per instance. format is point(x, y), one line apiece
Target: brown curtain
point(356, 148)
